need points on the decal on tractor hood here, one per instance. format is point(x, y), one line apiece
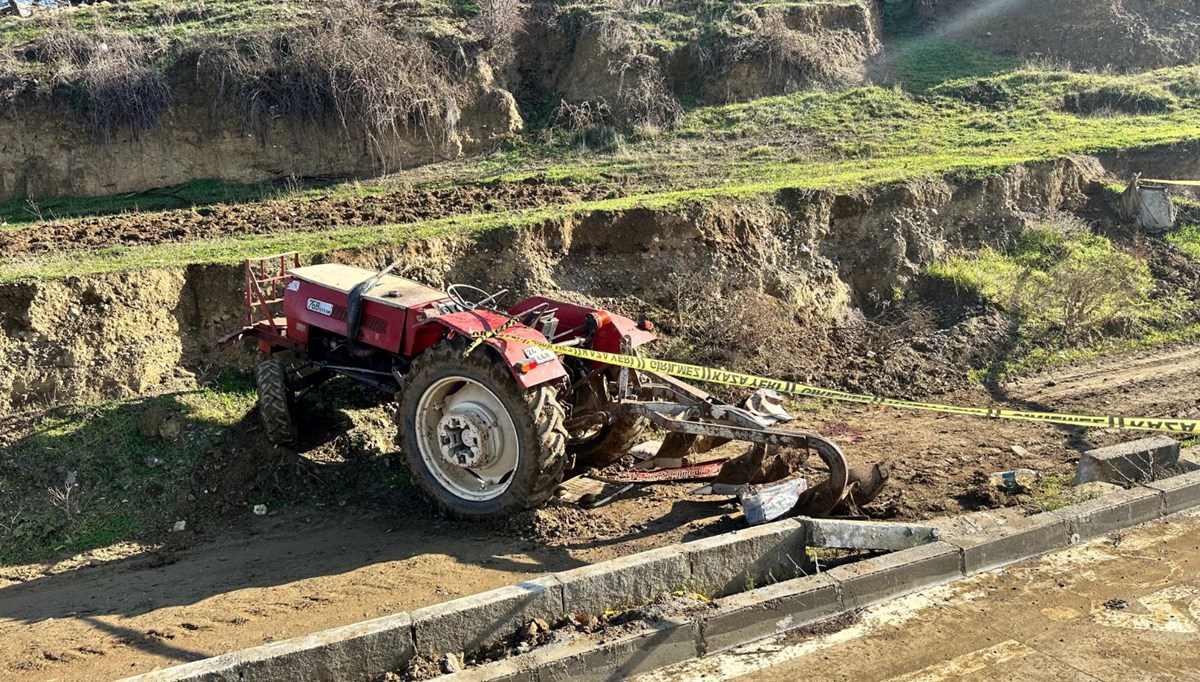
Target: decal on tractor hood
point(320, 306)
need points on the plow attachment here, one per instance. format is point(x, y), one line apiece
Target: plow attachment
point(782, 473)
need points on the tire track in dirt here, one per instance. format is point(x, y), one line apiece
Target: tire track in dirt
point(1154, 383)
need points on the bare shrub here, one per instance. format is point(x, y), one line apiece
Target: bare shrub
point(12, 82)
point(342, 67)
point(110, 77)
point(498, 23)
point(789, 59)
point(792, 55)
point(643, 98)
point(581, 116)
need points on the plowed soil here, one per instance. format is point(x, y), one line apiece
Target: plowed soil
point(271, 217)
point(258, 579)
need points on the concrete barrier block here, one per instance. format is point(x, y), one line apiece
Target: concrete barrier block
point(667, 643)
point(892, 575)
point(472, 622)
point(884, 535)
point(1132, 462)
point(1117, 511)
point(1179, 492)
point(361, 651)
point(727, 563)
point(628, 581)
point(1017, 540)
point(768, 611)
point(510, 670)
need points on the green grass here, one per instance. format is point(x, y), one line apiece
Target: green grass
point(1186, 238)
point(812, 140)
point(918, 61)
point(1052, 492)
point(857, 138)
point(922, 63)
point(1133, 312)
point(171, 18)
point(84, 478)
point(184, 20)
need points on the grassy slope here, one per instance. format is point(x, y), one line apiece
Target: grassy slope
point(807, 140)
point(87, 477)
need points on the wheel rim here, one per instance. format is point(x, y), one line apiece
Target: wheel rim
point(467, 438)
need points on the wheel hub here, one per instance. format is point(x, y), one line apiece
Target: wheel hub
point(468, 436)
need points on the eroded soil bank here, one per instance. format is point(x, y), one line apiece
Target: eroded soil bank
point(821, 286)
point(794, 257)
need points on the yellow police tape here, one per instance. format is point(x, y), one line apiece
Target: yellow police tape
point(727, 378)
point(1184, 183)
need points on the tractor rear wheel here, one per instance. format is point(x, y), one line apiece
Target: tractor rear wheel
point(478, 444)
point(275, 401)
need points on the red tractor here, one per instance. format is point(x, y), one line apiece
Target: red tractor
point(493, 431)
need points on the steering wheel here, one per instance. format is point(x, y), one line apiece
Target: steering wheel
point(459, 294)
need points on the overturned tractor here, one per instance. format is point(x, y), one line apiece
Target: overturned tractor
point(491, 430)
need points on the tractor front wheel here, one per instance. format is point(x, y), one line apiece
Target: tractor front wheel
point(275, 400)
point(478, 444)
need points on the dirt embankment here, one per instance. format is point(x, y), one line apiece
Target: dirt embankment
point(743, 54)
point(1124, 34)
point(617, 63)
point(795, 256)
point(47, 153)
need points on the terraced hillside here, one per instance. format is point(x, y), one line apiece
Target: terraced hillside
point(876, 196)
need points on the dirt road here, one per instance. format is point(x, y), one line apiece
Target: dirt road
point(1119, 609)
point(269, 578)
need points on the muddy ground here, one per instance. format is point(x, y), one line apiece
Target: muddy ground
point(272, 217)
point(241, 580)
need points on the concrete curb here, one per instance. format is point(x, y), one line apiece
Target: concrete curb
point(716, 566)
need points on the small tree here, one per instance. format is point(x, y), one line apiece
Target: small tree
point(1075, 280)
point(1092, 286)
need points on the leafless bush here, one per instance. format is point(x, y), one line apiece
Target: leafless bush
point(111, 77)
point(11, 80)
point(744, 329)
point(895, 326)
point(498, 23)
point(791, 55)
point(643, 98)
point(581, 116)
point(343, 67)
point(788, 59)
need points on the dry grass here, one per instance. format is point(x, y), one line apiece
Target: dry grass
point(643, 98)
point(344, 67)
point(110, 77)
point(788, 59)
point(497, 24)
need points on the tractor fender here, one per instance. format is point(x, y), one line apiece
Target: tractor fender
point(547, 368)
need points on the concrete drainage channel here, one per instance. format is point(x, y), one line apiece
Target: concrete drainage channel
point(723, 566)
